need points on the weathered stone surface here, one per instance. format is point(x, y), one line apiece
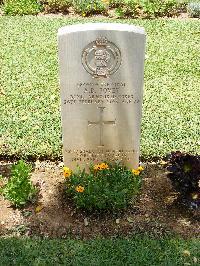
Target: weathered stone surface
point(101, 80)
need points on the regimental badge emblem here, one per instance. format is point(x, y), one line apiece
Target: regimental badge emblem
point(101, 58)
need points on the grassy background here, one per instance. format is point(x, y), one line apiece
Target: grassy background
point(30, 101)
point(137, 251)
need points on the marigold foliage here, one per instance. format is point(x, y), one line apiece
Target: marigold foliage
point(104, 187)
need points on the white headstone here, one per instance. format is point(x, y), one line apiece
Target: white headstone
point(101, 80)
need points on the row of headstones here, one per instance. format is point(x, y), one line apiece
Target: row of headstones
point(101, 79)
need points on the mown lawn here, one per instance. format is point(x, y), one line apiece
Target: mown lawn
point(30, 104)
point(136, 251)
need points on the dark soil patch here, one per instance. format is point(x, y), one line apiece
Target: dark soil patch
point(156, 210)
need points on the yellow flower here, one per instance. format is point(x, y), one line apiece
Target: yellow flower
point(97, 167)
point(140, 168)
point(135, 171)
point(80, 189)
point(104, 166)
point(67, 172)
point(83, 14)
point(101, 166)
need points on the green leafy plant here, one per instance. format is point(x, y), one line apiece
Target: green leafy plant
point(56, 5)
point(104, 187)
point(147, 8)
point(86, 7)
point(21, 7)
point(156, 8)
point(194, 9)
point(19, 189)
point(119, 12)
point(132, 7)
point(125, 8)
point(184, 173)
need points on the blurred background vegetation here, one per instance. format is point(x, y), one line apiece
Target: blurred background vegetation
point(110, 8)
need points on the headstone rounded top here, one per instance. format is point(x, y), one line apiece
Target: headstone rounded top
point(100, 26)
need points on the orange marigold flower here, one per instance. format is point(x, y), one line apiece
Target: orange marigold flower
point(101, 166)
point(80, 189)
point(67, 172)
point(104, 166)
point(97, 167)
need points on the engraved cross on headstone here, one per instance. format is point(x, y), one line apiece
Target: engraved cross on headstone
point(101, 123)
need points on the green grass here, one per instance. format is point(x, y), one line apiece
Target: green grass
point(137, 251)
point(30, 101)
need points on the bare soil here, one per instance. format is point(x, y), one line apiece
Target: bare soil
point(53, 215)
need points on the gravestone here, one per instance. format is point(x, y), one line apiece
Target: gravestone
point(101, 80)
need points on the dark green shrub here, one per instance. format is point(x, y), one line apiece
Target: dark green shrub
point(185, 177)
point(86, 7)
point(19, 189)
point(194, 9)
point(21, 7)
point(105, 187)
point(57, 5)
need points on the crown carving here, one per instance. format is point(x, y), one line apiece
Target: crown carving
point(101, 41)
